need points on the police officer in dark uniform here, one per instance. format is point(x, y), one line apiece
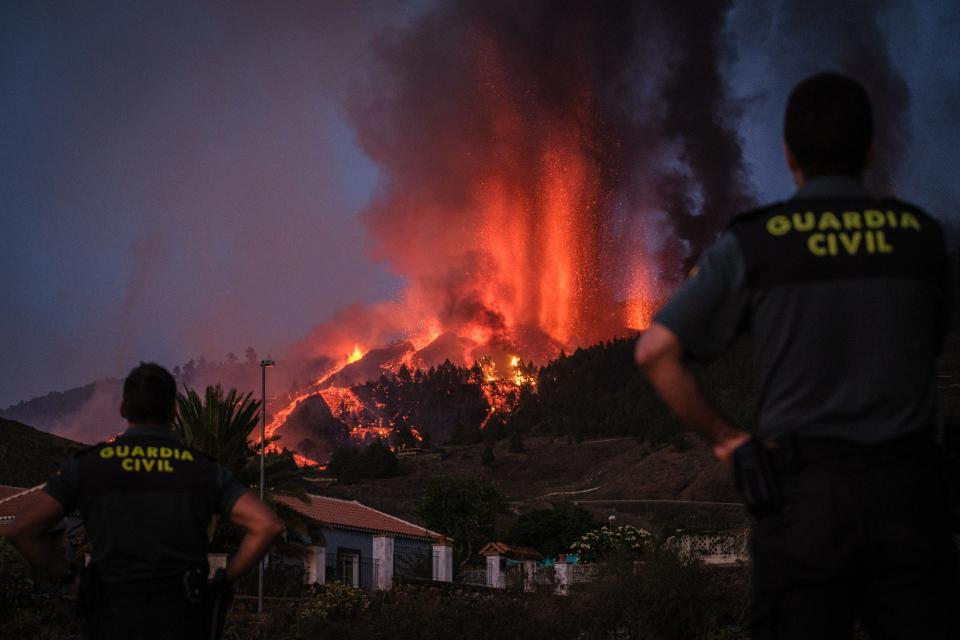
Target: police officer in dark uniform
point(146, 501)
point(844, 297)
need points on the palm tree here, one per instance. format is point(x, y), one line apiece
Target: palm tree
point(220, 425)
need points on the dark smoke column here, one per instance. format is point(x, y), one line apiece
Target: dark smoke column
point(516, 138)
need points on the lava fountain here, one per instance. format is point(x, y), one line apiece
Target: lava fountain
point(539, 191)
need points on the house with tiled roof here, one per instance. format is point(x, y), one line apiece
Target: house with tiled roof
point(352, 543)
point(367, 548)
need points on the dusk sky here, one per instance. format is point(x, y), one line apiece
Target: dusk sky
point(181, 179)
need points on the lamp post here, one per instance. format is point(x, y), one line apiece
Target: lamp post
point(264, 365)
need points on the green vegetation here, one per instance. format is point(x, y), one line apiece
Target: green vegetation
point(552, 531)
point(464, 508)
point(663, 598)
point(593, 392)
point(600, 392)
point(31, 608)
point(605, 542)
point(220, 425)
point(349, 464)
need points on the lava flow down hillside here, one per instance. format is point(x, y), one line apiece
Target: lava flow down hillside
point(548, 171)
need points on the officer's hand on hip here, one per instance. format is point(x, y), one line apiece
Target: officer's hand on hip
point(724, 448)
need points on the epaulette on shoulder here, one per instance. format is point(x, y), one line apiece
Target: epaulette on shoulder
point(751, 214)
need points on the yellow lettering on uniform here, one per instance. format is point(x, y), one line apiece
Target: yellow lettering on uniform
point(909, 221)
point(851, 220)
point(873, 218)
point(151, 452)
point(106, 452)
point(127, 464)
point(815, 244)
point(165, 466)
point(871, 246)
point(891, 220)
point(882, 246)
point(832, 243)
point(149, 464)
point(829, 221)
point(851, 242)
point(137, 451)
point(804, 223)
point(166, 452)
point(122, 450)
point(778, 225)
point(185, 455)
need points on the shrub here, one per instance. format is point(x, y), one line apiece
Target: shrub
point(596, 544)
point(31, 608)
point(333, 604)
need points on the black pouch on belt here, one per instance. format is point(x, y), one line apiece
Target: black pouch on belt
point(89, 593)
point(756, 478)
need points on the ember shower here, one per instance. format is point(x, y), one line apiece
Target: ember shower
point(548, 169)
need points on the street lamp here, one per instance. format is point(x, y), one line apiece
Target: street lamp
point(264, 365)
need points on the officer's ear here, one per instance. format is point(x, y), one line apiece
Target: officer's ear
point(795, 169)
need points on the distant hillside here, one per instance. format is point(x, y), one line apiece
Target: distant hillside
point(29, 456)
point(607, 476)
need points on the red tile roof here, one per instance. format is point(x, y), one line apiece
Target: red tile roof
point(513, 551)
point(347, 514)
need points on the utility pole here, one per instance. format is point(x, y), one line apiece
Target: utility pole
point(264, 365)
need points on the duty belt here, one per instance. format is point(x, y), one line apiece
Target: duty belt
point(793, 452)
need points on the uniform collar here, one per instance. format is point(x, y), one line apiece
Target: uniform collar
point(150, 429)
point(831, 186)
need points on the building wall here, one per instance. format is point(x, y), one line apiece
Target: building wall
point(337, 538)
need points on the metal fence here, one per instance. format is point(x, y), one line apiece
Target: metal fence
point(474, 576)
point(544, 578)
point(354, 571)
point(580, 573)
point(413, 564)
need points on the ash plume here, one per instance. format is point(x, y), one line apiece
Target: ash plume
point(545, 137)
point(817, 36)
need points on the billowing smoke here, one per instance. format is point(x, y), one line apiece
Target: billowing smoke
point(817, 35)
point(547, 163)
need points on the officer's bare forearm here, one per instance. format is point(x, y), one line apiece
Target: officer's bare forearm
point(42, 554)
point(263, 527)
point(29, 536)
point(252, 548)
point(660, 356)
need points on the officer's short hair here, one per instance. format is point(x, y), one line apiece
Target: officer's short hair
point(149, 394)
point(829, 125)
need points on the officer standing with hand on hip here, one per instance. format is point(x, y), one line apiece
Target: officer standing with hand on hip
point(146, 501)
point(845, 299)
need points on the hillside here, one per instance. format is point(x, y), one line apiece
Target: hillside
point(607, 476)
point(28, 456)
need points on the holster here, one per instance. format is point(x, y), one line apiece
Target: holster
point(756, 477)
point(217, 598)
point(951, 472)
point(89, 593)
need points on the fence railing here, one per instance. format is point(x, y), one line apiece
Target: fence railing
point(580, 573)
point(413, 564)
point(354, 571)
point(474, 576)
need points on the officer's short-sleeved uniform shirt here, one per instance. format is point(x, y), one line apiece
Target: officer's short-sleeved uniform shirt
point(845, 299)
point(146, 501)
